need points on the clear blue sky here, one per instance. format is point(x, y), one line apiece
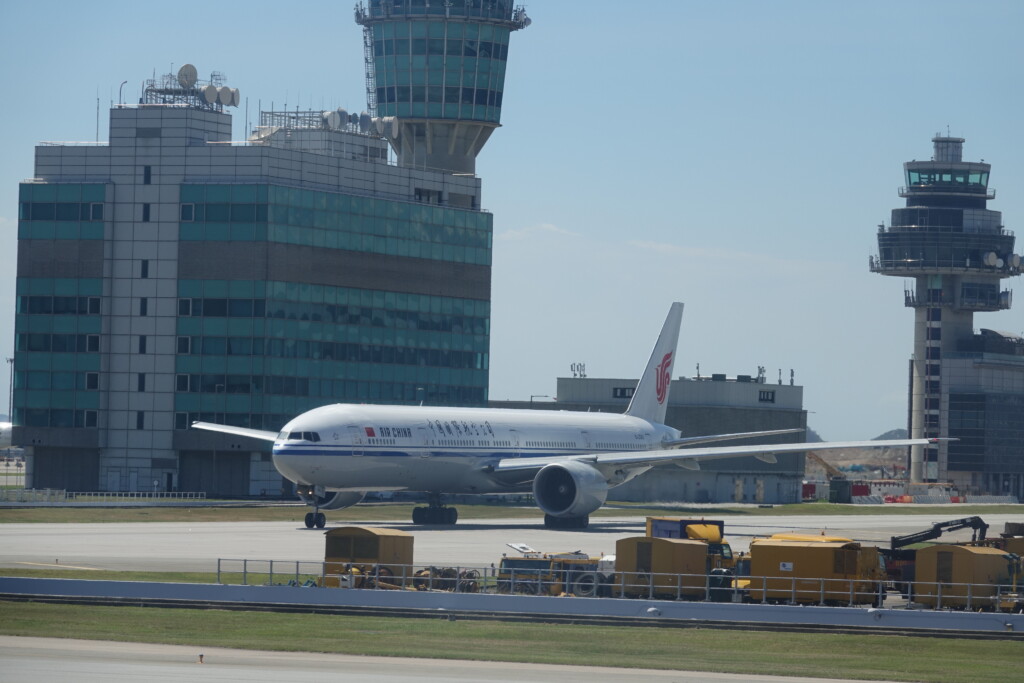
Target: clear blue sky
point(736, 156)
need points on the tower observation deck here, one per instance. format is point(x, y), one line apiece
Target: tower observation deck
point(955, 251)
point(435, 75)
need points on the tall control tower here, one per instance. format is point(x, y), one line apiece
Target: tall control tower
point(435, 75)
point(955, 251)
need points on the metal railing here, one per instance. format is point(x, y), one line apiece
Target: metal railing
point(62, 496)
point(640, 585)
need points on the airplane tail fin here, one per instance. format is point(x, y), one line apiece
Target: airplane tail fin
point(650, 400)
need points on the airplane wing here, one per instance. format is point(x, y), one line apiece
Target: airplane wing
point(237, 431)
point(690, 458)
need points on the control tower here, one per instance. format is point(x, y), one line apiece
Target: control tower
point(435, 75)
point(954, 251)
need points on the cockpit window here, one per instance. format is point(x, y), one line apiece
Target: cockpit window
point(299, 436)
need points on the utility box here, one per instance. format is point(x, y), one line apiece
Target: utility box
point(661, 567)
point(369, 550)
point(961, 576)
point(814, 570)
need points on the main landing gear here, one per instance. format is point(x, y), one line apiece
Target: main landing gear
point(435, 512)
point(551, 522)
point(316, 519)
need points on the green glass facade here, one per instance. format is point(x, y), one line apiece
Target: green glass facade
point(334, 221)
point(255, 353)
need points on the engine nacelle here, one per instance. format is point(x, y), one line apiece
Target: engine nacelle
point(332, 500)
point(569, 489)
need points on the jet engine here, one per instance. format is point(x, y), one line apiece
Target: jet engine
point(332, 500)
point(569, 489)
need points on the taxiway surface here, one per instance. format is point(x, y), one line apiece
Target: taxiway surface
point(183, 546)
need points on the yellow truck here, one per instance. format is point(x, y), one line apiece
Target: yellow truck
point(708, 531)
point(537, 573)
point(799, 569)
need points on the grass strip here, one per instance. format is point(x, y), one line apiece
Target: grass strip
point(750, 652)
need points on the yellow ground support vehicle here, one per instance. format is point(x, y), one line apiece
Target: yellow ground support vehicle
point(708, 531)
point(966, 577)
point(357, 557)
point(537, 573)
point(815, 570)
point(670, 568)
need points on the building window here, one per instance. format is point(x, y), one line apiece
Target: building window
point(182, 380)
point(188, 212)
point(90, 418)
point(181, 420)
point(185, 345)
point(623, 392)
point(96, 212)
point(145, 213)
point(142, 381)
point(766, 396)
point(147, 175)
point(184, 307)
point(140, 419)
point(92, 380)
point(92, 343)
point(143, 306)
point(144, 269)
point(142, 343)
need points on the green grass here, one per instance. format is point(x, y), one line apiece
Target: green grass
point(815, 655)
point(402, 512)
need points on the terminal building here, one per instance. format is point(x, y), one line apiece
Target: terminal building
point(699, 406)
point(173, 274)
point(965, 384)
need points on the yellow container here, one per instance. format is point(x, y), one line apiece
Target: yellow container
point(814, 572)
point(949, 575)
point(668, 567)
point(370, 551)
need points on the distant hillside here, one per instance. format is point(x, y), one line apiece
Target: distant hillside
point(868, 458)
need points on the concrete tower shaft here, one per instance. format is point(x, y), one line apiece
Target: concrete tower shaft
point(955, 250)
point(435, 75)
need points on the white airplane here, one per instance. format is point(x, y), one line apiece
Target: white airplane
point(335, 454)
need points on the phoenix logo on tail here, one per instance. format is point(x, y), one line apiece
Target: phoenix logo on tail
point(664, 377)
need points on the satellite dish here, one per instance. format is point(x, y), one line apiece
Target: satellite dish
point(332, 119)
point(999, 263)
point(224, 95)
point(342, 116)
point(236, 97)
point(210, 94)
point(187, 76)
point(365, 122)
point(1015, 260)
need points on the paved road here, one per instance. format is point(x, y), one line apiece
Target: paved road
point(31, 660)
point(180, 546)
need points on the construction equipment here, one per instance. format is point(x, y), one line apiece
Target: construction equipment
point(537, 573)
point(900, 561)
point(798, 569)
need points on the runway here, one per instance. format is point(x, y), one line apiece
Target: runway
point(181, 546)
point(29, 660)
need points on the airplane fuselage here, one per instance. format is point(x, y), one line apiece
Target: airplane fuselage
point(449, 450)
